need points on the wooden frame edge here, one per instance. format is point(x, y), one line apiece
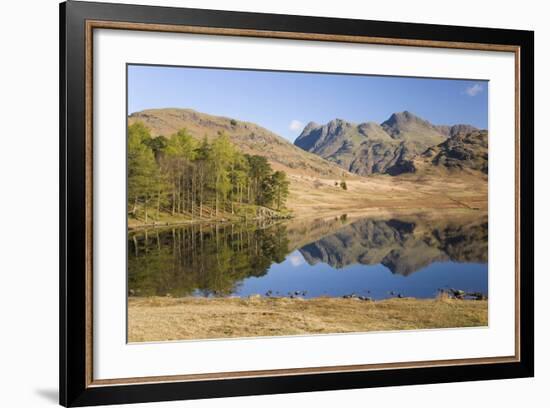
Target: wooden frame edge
point(89, 205)
point(289, 35)
point(102, 24)
point(517, 198)
point(298, 371)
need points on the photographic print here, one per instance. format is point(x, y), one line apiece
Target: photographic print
point(274, 203)
point(257, 204)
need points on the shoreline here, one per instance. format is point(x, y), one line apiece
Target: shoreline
point(166, 318)
point(376, 196)
point(351, 213)
point(225, 218)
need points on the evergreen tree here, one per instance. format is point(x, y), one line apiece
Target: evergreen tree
point(202, 179)
point(259, 173)
point(222, 159)
point(202, 164)
point(280, 186)
point(143, 171)
point(180, 153)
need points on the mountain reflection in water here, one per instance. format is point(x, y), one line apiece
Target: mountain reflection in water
point(373, 257)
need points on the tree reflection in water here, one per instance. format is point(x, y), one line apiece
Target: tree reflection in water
point(213, 260)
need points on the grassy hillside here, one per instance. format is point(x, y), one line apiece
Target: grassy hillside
point(248, 137)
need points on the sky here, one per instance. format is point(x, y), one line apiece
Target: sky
point(284, 102)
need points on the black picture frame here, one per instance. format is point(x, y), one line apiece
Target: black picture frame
point(75, 389)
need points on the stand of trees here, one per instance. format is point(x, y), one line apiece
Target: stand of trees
point(183, 176)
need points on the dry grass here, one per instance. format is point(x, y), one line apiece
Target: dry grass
point(381, 193)
point(160, 318)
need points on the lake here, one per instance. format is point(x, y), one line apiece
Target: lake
point(379, 258)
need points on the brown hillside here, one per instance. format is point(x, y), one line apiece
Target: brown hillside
point(249, 137)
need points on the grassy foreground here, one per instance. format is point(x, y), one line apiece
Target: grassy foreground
point(164, 318)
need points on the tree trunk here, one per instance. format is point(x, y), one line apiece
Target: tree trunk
point(135, 245)
point(173, 201)
point(193, 195)
point(146, 213)
point(200, 208)
point(217, 199)
point(134, 209)
point(158, 205)
point(179, 195)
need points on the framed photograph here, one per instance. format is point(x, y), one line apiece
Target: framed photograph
point(256, 204)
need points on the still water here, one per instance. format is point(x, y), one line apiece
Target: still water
point(337, 257)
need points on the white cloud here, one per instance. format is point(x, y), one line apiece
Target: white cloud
point(473, 90)
point(296, 125)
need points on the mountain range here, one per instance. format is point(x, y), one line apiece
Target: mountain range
point(465, 150)
point(404, 143)
point(393, 146)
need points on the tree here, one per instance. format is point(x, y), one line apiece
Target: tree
point(158, 145)
point(143, 172)
point(180, 153)
point(222, 154)
point(239, 178)
point(192, 178)
point(202, 160)
point(259, 173)
point(280, 185)
point(343, 185)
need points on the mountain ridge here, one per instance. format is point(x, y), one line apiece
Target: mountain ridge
point(368, 147)
point(247, 136)
point(401, 144)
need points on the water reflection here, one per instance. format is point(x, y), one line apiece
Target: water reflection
point(381, 258)
point(208, 259)
point(403, 247)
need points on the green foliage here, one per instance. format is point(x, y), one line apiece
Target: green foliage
point(143, 173)
point(259, 174)
point(181, 145)
point(222, 157)
point(181, 175)
point(279, 187)
point(158, 146)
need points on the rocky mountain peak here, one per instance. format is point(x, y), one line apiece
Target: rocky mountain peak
point(369, 147)
point(310, 126)
point(400, 120)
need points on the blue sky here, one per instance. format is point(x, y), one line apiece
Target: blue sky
point(285, 102)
